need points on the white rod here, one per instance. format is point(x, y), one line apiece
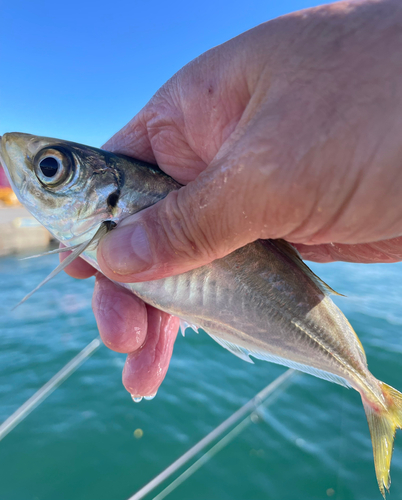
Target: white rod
point(204, 458)
point(39, 396)
point(248, 407)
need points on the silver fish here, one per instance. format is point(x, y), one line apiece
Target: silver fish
point(260, 300)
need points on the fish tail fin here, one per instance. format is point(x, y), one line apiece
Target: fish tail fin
point(383, 420)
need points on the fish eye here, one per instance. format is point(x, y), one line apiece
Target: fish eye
point(49, 166)
point(53, 166)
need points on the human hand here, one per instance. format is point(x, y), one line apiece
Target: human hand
point(291, 130)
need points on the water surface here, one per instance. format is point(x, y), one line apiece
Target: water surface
point(313, 442)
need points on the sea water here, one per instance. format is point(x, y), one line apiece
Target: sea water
point(90, 441)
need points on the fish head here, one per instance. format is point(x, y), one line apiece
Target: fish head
point(69, 188)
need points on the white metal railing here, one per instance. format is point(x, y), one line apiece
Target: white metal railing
point(249, 408)
point(40, 395)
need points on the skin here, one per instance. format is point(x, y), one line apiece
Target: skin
point(291, 130)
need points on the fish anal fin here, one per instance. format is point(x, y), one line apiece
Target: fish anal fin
point(184, 325)
point(383, 422)
point(238, 351)
point(291, 252)
point(243, 353)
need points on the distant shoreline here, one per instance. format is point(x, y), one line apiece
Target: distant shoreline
point(20, 232)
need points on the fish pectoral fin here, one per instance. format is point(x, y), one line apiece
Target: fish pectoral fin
point(291, 252)
point(76, 253)
point(383, 423)
point(51, 252)
point(103, 229)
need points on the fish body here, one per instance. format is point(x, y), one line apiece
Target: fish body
point(260, 301)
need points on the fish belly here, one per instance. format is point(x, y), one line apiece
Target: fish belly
point(254, 303)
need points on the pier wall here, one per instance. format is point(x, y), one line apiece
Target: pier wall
point(20, 232)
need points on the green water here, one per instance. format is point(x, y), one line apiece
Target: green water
point(312, 442)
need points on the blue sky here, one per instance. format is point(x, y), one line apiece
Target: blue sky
point(79, 70)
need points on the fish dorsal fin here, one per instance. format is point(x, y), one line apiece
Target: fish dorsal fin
point(291, 252)
point(105, 227)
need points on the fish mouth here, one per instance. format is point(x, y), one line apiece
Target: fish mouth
point(2, 162)
point(11, 157)
point(2, 159)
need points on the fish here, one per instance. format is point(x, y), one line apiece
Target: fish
point(260, 301)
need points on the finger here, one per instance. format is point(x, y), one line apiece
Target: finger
point(120, 315)
point(203, 221)
point(157, 135)
point(368, 253)
point(132, 140)
point(146, 368)
point(185, 123)
point(78, 268)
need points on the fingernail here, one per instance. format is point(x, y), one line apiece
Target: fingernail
point(126, 250)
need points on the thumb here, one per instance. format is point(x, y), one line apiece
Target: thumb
point(203, 221)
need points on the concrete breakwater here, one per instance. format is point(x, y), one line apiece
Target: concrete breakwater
point(20, 232)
